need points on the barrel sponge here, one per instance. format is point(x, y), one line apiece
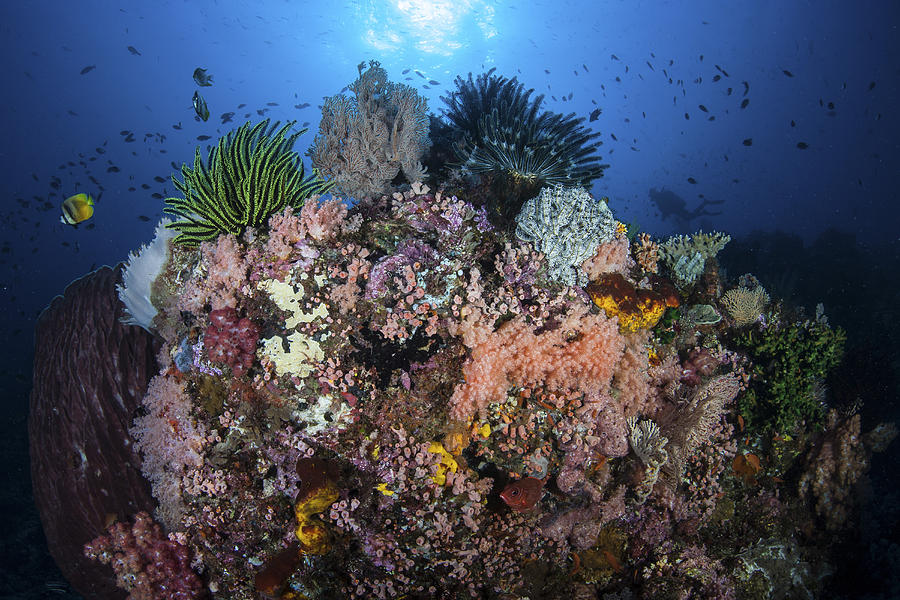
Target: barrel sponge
point(141, 271)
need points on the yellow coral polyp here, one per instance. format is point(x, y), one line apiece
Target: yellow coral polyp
point(382, 487)
point(448, 463)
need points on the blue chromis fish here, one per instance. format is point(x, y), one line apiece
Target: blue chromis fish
point(201, 78)
point(76, 209)
point(200, 106)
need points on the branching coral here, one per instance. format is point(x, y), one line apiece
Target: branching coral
point(685, 256)
point(252, 174)
point(365, 141)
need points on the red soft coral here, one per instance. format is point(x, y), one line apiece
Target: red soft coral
point(231, 340)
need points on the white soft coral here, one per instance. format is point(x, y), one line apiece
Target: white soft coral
point(141, 271)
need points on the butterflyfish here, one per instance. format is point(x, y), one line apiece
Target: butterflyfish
point(76, 209)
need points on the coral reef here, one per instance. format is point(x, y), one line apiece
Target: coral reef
point(402, 398)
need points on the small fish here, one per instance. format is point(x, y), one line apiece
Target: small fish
point(433, 82)
point(300, 106)
point(271, 104)
point(144, 218)
point(200, 106)
point(113, 169)
point(716, 77)
point(746, 87)
point(584, 66)
point(177, 125)
point(88, 69)
point(614, 57)
point(748, 142)
point(793, 123)
point(613, 136)
point(595, 114)
point(203, 138)
point(570, 95)
point(145, 186)
point(159, 179)
point(786, 72)
point(124, 132)
point(687, 117)
point(691, 180)
point(419, 73)
point(745, 102)
point(202, 79)
point(226, 117)
point(134, 50)
point(157, 195)
point(77, 209)
point(242, 105)
point(649, 65)
point(802, 145)
point(871, 85)
point(703, 108)
point(523, 494)
point(831, 106)
point(404, 72)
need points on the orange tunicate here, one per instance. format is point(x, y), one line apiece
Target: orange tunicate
point(635, 308)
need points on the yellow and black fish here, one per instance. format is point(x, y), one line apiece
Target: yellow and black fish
point(201, 78)
point(76, 209)
point(200, 106)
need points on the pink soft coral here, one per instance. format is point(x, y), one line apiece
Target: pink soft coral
point(226, 272)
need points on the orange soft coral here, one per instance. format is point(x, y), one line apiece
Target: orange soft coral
point(580, 354)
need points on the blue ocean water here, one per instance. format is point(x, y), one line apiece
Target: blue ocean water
point(773, 121)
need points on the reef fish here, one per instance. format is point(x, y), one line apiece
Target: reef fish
point(201, 78)
point(523, 494)
point(76, 209)
point(200, 106)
